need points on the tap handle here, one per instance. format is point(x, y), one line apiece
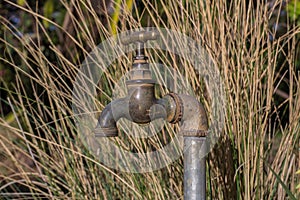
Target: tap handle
point(140, 37)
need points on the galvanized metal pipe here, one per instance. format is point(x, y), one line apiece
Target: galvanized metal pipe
point(194, 168)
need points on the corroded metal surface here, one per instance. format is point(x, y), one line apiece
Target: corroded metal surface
point(194, 120)
point(178, 109)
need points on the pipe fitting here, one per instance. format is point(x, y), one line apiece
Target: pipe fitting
point(194, 118)
point(186, 110)
point(167, 108)
point(175, 109)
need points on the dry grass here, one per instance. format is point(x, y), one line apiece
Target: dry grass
point(42, 155)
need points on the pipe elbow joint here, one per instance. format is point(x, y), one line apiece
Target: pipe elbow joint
point(194, 118)
point(186, 110)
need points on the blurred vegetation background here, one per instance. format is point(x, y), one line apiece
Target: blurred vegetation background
point(255, 44)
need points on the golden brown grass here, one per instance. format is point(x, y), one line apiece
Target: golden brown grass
point(41, 154)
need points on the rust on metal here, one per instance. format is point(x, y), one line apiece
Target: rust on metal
point(178, 108)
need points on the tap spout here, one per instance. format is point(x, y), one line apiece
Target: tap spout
point(107, 122)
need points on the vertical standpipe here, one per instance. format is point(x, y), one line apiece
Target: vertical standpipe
point(194, 130)
point(194, 168)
